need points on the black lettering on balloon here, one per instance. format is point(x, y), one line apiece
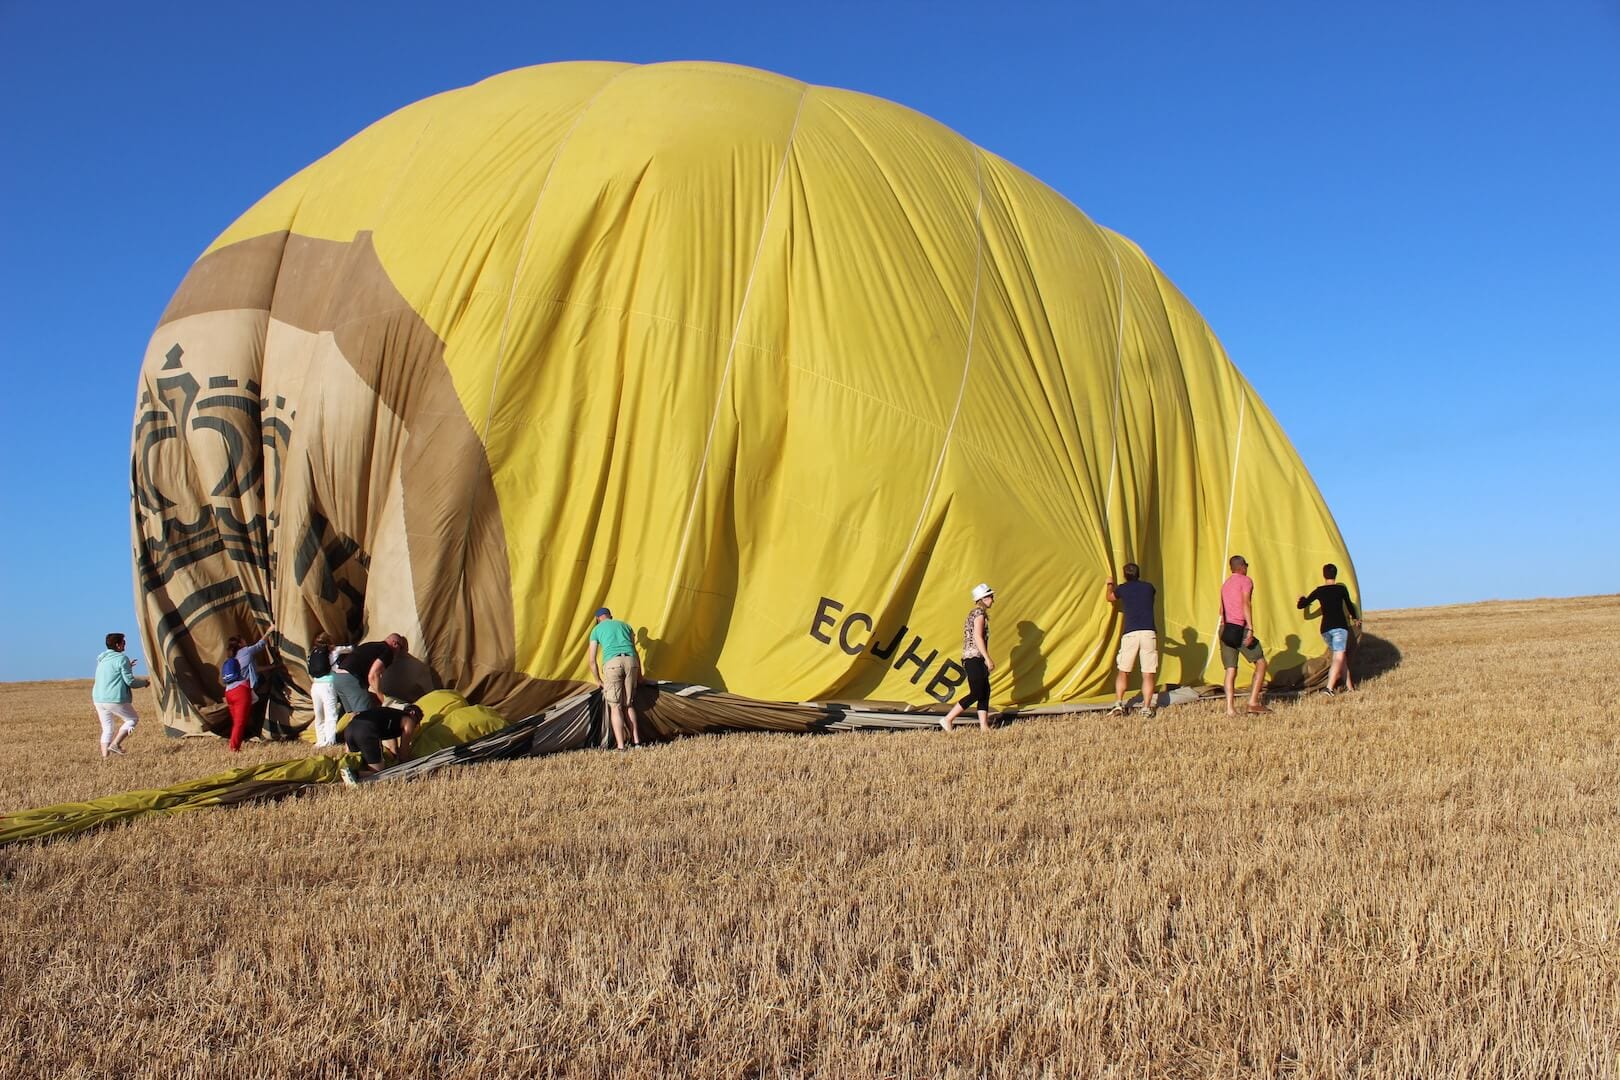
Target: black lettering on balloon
point(823, 619)
point(948, 680)
point(911, 655)
point(843, 631)
point(883, 652)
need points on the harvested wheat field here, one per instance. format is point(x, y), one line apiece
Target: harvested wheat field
point(1419, 879)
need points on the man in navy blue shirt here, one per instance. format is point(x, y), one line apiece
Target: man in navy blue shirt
point(1140, 641)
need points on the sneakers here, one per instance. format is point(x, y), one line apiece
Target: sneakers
point(349, 779)
point(1118, 709)
point(1150, 712)
point(1327, 691)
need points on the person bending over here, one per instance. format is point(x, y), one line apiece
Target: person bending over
point(618, 673)
point(368, 730)
point(357, 677)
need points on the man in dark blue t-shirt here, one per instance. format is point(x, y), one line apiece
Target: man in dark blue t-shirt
point(1140, 641)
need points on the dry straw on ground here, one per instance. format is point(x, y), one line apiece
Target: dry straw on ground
point(1418, 880)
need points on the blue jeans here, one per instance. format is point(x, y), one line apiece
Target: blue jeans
point(1337, 640)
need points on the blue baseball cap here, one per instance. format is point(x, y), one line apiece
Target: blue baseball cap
point(603, 611)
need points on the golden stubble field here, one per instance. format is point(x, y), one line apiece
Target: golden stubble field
point(1421, 879)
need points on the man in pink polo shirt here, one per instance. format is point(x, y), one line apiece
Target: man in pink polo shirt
point(1237, 634)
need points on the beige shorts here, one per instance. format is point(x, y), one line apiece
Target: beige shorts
point(619, 678)
point(1143, 644)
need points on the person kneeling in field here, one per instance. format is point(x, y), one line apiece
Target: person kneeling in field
point(367, 731)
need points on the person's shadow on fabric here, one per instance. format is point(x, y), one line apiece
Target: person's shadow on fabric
point(1193, 654)
point(1028, 664)
point(657, 663)
point(1290, 657)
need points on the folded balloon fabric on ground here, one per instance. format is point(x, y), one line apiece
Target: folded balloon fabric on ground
point(457, 733)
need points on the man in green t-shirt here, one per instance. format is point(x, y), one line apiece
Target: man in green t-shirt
point(618, 673)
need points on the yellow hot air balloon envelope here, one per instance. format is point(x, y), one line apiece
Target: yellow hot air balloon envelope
point(776, 371)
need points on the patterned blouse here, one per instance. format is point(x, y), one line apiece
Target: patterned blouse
point(970, 650)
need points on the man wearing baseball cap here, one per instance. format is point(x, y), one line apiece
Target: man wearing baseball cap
point(618, 673)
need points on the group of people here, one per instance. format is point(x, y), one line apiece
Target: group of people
point(1139, 648)
point(349, 678)
point(1134, 597)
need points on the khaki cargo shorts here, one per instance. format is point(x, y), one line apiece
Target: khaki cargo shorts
point(1143, 644)
point(619, 678)
point(1251, 652)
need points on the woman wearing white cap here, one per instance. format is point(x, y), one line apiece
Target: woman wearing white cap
point(976, 659)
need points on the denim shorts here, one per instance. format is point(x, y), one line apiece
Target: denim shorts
point(1337, 640)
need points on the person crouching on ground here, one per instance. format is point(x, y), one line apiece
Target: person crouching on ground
point(1237, 635)
point(240, 673)
point(1338, 613)
point(112, 697)
point(1140, 640)
point(368, 730)
point(976, 660)
point(618, 673)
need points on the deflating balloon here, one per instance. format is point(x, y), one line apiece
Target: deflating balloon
point(777, 372)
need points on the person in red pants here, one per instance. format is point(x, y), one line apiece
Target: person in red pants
point(240, 673)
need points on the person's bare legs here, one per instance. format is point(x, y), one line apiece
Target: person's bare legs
point(1259, 686)
point(1122, 683)
point(1150, 681)
point(1334, 668)
point(116, 746)
point(984, 720)
point(616, 716)
point(635, 729)
point(950, 718)
point(1231, 690)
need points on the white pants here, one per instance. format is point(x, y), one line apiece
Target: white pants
point(325, 698)
point(110, 715)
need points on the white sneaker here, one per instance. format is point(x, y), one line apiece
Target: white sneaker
point(349, 779)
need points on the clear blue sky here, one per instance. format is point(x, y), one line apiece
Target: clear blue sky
point(1420, 200)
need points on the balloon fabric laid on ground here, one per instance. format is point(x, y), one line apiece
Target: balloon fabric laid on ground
point(776, 371)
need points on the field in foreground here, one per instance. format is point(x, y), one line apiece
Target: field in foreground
point(1418, 879)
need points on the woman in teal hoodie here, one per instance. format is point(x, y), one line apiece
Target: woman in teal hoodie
point(115, 678)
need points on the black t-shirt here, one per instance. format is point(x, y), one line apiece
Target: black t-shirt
point(1337, 609)
point(1136, 598)
point(384, 723)
point(358, 662)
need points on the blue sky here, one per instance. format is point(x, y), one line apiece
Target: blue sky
point(1417, 201)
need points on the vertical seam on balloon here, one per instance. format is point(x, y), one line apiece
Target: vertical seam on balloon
point(961, 390)
point(731, 353)
point(506, 319)
point(1231, 503)
point(1113, 416)
point(1113, 461)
